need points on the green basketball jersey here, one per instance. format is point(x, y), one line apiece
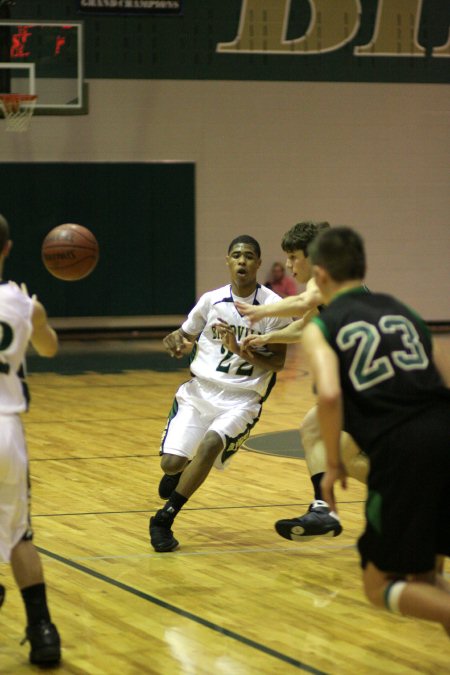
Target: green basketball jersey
point(385, 358)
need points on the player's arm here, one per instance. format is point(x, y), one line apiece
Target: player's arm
point(441, 360)
point(43, 337)
point(325, 369)
point(289, 334)
point(178, 343)
point(293, 305)
point(273, 360)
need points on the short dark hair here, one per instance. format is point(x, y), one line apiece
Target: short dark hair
point(246, 239)
point(4, 231)
point(339, 250)
point(301, 235)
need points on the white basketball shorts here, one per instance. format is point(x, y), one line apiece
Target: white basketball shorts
point(14, 513)
point(201, 406)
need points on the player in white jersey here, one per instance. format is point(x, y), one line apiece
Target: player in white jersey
point(214, 412)
point(22, 320)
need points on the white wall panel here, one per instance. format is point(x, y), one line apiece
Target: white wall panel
point(268, 154)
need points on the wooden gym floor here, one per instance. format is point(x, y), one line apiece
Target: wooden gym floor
point(235, 599)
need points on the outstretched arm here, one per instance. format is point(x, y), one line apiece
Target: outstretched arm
point(293, 305)
point(287, 335)
point(273, 360)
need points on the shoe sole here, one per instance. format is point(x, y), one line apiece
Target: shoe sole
point(295, 532)
point(48, 656)
point(167, 548)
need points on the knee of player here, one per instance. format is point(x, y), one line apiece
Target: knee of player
point(172, 464)
point(210, 447)
point(309, 433)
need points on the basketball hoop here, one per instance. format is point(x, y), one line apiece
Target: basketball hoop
point(17, 110)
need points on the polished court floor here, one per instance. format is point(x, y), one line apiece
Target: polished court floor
point(235, 599)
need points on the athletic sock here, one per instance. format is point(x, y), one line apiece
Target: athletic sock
point(173, 505)
point(315, 480)
point(35, 600)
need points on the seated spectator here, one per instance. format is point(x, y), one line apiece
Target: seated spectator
point(279, 282)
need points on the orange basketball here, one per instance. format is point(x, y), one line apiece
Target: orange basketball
point(70, 252)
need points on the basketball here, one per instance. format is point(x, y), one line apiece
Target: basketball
point(70, 252)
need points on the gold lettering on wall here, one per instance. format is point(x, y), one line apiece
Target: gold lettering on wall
point(396, 30)
point(263, 27)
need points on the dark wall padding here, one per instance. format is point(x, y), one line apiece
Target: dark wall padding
point(142, 215)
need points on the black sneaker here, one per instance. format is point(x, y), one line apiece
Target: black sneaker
point(318, 521)
point(167, 484)
point(2, 594)
point(45, 644)
point(161, 537)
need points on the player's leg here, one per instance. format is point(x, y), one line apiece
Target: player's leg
point(315, 453)
point(230, 418)
point(318, 520)
point(354, 459)
point(40, 632)
point(170, 480)
point(181, 437)
point(417, 595)
point(16, 545)
point(161, 535)
point(196, 473)
point(408, 484)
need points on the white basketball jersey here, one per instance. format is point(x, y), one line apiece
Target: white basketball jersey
point(15, 330)
point(211, 361)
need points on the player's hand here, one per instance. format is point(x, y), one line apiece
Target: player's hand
point(254, 341)
point(227, 336)
point(254, 313)
point(332, 475)
point(23, 288)
point(176, 344)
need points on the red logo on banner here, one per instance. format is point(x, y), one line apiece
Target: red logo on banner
point(18, 42)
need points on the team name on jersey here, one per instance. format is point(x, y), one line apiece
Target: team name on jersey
point(239, 331)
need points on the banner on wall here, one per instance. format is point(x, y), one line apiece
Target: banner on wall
point(119, 7)
point(278, 40)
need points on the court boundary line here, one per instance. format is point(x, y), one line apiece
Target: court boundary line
point(93, 457)
point(185, 510)
point(217, 553)
point(183, 613)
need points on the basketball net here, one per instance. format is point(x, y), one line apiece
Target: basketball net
point(17, 110)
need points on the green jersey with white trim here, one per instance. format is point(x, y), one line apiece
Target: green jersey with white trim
point(385, 359)
point(211, 361)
